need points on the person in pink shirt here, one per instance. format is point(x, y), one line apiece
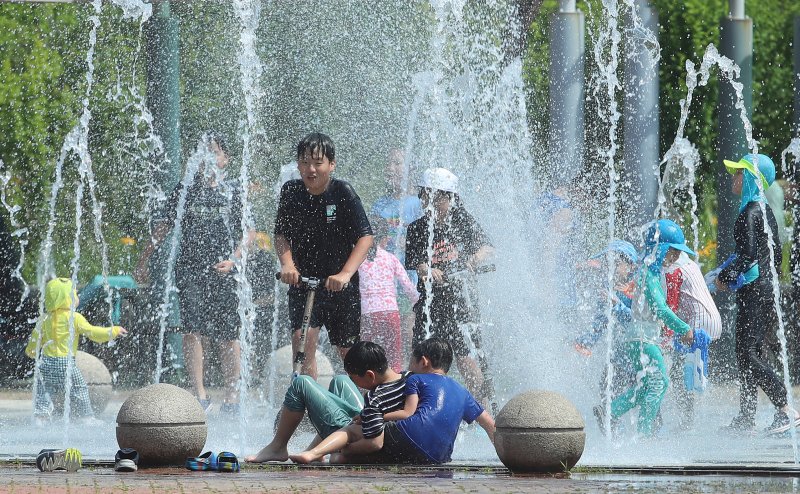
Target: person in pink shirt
point(379, 275)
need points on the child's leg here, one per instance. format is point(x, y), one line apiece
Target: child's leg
point(654, 386)
point(276, 449)
point(193, 356)
point(54, 372)
point(328, 411)
point(309, 367)
point(330, 444)
point(394, 341)
point(383, 328)
point(231, 352)
point(79, 395)
point(42, 406)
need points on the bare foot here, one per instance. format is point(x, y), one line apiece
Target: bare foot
point(304, 457)
point(268, 453)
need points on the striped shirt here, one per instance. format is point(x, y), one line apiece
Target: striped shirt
point(689, 298)
point(385, 398)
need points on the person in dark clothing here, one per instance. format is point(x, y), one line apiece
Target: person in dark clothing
point(444, 241)
point(752, 271)
point(322, 231)
point(210, 243)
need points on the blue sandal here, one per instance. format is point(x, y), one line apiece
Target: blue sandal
point(227, 462)
point(206, 461)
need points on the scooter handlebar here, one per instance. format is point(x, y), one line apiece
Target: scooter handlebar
point(319, 282)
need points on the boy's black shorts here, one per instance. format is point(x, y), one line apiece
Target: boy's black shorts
point(397, 449)
point(339, 312)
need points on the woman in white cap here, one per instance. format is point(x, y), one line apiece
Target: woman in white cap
point(446, 239)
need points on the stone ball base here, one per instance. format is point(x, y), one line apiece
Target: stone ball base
point(164, 423)
point(539, 431)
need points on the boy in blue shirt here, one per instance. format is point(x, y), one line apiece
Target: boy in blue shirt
point(427, 436)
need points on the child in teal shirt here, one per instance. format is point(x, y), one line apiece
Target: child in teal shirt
point(649, 311)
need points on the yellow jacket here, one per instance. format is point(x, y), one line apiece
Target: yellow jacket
point(52, 333)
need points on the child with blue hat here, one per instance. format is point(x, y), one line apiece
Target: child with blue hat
point(619, 257)
point(756, 248)
point(649, 310)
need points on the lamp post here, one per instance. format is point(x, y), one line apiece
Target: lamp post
point(736, 43)
point(640, 113)
point(566, 90)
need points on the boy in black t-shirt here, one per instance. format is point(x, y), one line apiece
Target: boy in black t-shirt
point(457, 243)
point(322, 231)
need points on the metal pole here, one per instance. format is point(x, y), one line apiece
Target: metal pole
point(796, 51)
point(163, 89)
point(641, 117)
point(794, 253)
point(736, 9)
point(566, 6)
point(163, 100)
point(566, 92)
point(736, 43)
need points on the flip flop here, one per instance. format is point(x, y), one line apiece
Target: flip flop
point(227, 462)
point(126, 460)
point(68, 459)
point(206, 461)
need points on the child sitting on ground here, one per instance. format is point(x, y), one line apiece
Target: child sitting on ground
point(52, 337)
point(379, 275)
point(439, 404)
point(368, 367)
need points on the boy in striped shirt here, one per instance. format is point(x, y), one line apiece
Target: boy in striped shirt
point(368, 367)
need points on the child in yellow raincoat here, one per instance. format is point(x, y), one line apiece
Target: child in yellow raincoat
point(52, 338)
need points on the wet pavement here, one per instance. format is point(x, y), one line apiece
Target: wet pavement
point(357, 480)
point(698, 460)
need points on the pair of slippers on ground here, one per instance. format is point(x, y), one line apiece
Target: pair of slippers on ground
point(70, 459)
point(223, 462)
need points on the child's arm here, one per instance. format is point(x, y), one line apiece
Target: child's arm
point(487, 423)
point(658, 303)
point(35, 342)
point(337, 282)
point(408, 409)
point(289, 273)
point(401, 275)
point(97, 334)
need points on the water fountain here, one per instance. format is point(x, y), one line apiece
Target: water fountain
point(443, 88)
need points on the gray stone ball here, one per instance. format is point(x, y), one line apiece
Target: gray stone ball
point(97, 378)
point(164, 423)
point(539, 431)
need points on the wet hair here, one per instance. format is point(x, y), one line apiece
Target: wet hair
point(315, 144)
point(365, 356)
point(437, 350)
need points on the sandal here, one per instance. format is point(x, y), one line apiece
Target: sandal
point(227, 462)
point(206, 461)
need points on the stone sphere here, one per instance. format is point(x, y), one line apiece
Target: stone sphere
point(164, 423)
point(539, 431)
point(284, 360)
point(97, 378)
